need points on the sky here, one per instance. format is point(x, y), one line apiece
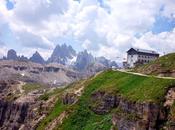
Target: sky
point(103, 27)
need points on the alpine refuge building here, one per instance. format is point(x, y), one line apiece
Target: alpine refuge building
point(140, 56)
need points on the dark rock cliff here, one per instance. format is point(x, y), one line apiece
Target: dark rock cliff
point(12, 115)
point(129, 115)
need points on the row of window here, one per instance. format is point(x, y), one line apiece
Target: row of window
point(145, 61)
point(145, 56)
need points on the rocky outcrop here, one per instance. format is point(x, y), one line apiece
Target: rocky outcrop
point(11, 55)
point(102, 102)
point(37, 58)
point(128, 115)
point(12, 115)
point(138, 116)
point(69, 98)
point(167, 73)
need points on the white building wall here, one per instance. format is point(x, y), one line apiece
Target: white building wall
point(131, 59)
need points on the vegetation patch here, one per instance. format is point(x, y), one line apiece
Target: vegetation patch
point(132, 87)
point(49, 94)
point(57, 109)
point(59, 106)
point(31, 87)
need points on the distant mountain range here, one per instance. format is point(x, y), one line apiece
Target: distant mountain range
point(66, 55)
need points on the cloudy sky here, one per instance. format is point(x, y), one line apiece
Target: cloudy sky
point(103, 27)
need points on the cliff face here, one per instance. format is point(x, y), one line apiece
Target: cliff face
point(129, 115)
point(12, 115)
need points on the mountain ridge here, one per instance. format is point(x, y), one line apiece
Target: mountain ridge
point(66, 55)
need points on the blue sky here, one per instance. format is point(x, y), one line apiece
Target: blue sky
point(103, 27)
point(163, 24)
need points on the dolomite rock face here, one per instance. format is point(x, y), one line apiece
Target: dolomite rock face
point(138, 116)
point(129, 115)
point(102, 102)
point(12, 115)
point(69, 98)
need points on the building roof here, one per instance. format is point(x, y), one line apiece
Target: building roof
point(144, 51)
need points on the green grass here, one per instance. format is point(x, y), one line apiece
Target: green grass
point(131, 87)
point(47, 95)
point(58, 108)
point(31, 87)
point(136, 88)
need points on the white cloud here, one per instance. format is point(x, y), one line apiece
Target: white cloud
point(169, 9)
point(108, 31)
point(33, 12)
point(29, 52)
point(3, 49)
point(163, 42)
point(32, 21)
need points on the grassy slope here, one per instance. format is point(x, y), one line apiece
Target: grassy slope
point(31, 87)
point(59, 106)
point(132, 87)
point(164, 63)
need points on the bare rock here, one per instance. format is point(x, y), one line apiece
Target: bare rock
point(69, 98)
point(102, 102)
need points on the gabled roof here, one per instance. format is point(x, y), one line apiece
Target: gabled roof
point(144, 51)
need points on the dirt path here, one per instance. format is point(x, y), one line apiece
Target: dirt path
point(79, 91)
point(19, 86)
point(56, 121)
point(144, 74)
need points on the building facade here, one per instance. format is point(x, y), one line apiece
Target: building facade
point(140, 56)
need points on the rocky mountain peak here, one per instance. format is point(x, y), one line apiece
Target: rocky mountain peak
point(106, 62)
point(84, 59)
point(37, 58)
point(11, 55)
point(62, 53)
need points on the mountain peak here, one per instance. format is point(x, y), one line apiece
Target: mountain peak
point(37, 58)
point(11, 55)
point(84, 59)
point(62, 53)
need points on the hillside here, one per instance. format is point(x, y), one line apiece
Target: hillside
point(164, 66)
point(50, 74)
point(114, 100)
